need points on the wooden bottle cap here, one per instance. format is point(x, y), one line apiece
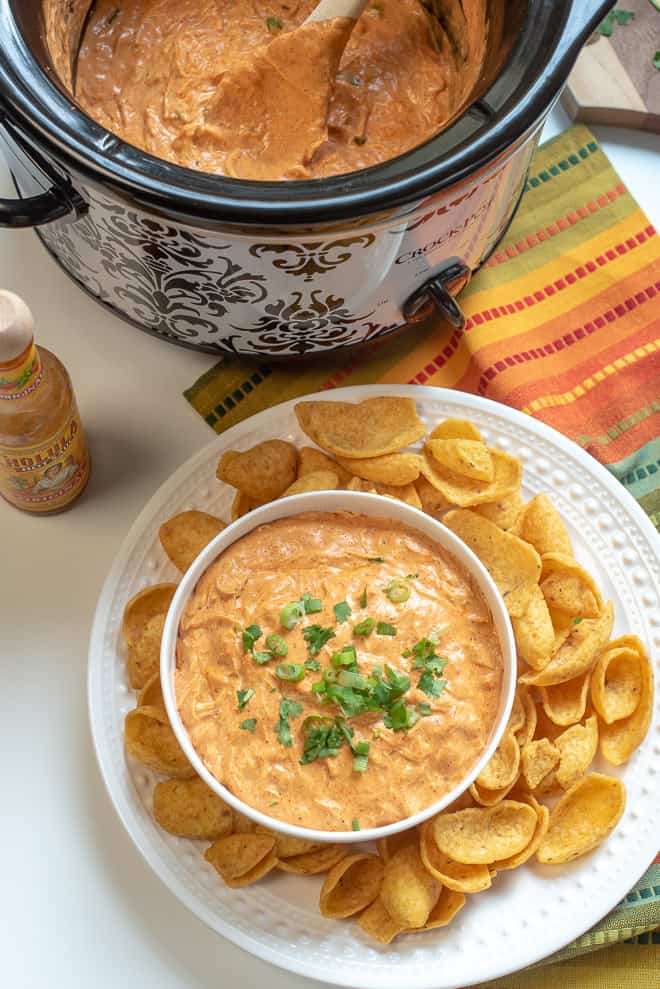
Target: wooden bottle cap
point(16, 326)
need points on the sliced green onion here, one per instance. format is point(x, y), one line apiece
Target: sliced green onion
point(384, 628)
point(363, 599)
point(243, 697)
point(397, 591)
point(344, 657)
point(355, 824)
point(376, 559)
point(291, 614)
point(576, 621)
point(277, 645)
point(290, 671)
point(349, 678)
point(261, 658)
point(342, 611)
point(250, 636)
point(364, 627)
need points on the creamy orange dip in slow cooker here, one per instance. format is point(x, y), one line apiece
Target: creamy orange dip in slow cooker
point(346, 729)
point(150, 71)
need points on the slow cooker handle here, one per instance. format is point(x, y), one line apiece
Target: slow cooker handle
point(35, 211)
point(437, 295)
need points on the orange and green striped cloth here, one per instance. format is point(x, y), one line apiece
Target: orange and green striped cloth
point(563, 322)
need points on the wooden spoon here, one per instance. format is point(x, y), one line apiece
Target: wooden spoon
point(270, 111)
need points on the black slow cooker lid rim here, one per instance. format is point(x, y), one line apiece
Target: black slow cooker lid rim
point(73, 136)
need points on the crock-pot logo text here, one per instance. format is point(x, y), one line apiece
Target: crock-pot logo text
point(448, 235)
point(44, 457)
point(448, 207)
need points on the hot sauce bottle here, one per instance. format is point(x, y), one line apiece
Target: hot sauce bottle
point(44, 463)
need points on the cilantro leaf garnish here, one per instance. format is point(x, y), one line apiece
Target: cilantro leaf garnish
point(316, 637)
point(342, 611)
point(250, 636)
point(424, 709)
point(273, 23)
point(384, 628)
point(243, 697)
point(401, 716)
point(249, 724)
point(431, 686)
point(363, 599)
point(312, 664)
point(576, 621)
point(288, 709)
point(324, 738)
point(261, 658)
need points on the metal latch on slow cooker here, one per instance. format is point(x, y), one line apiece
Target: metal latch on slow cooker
point(437, 295)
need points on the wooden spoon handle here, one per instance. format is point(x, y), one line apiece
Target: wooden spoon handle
point(327, 9)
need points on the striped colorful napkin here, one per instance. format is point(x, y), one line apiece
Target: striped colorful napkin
point(563, 322)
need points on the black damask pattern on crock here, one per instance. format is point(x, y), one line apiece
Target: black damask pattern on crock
point(313, 258)
point(299, 325)
point(163, 276)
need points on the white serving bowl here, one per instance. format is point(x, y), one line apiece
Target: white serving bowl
point(364, 504)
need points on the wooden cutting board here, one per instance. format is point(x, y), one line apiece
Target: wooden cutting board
point(614, 80)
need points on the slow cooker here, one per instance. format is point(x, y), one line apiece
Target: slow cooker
point(277, 269)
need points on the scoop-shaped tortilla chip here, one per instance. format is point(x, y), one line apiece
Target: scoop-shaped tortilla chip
point(542, 821)
point(565, 703)
point(311, 460)
point(465, 491)
point(432, 501)
point(534, 633)
point(351, 885)
point(541, 525)
point(388, 846)
point(456, 429)
point(513, 564)
point(409, 892)
point(148, 738)
point(151, 694)
point(190, 809)
point(578, 653)
point(485, 834)
point(504, 512)
point(395, 469)
point(486, 797)
point(143, 653)
point(406, 492)
point(314, 862)
point(616, 683)
point(241, 505)
point(453, 875)
point(537, 759)
point(577, 749)
point(286, 846)
point(470, 458)
point(583, 818)
point(263, 472)
point(369, 429)
point(568, 587)
point(320, 480)
point(502, 769)
point(184, 536)
point(377, 923)
point(152, 601)
point(447, 906)
point(619, 740)
point(242, 859)
point(526, 732)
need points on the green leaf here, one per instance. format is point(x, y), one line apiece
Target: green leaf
point(250, 636)
point(576, 621)
point(363, 599)
point(261, 658)
point(431, 686)
point(243, 697)
point(616, 16)
point(311, 605)
point(355, 824)
point(316, 637)
point(249, 724)
point(288, 709)
point(656, 60)
point(424, 709)
point(342, 611)
point(312, 664)
point(372, 559)
point(273, 24)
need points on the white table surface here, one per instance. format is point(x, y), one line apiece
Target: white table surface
point(79, 906)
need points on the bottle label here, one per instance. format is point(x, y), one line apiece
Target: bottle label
point(46, 477)
point(21, 380)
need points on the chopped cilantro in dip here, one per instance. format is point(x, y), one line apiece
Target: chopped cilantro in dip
point(244, 696)
point(355, 824)
point(273, 23)
point(365, 627)
point(250, 636)
point(288, 709)
point(249, 724)
point(316, 637)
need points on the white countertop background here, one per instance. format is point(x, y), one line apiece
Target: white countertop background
point(79, 907)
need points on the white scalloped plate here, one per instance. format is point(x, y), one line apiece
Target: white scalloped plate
point(528, 913)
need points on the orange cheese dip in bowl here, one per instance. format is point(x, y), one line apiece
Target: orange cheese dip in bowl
point(337, 662)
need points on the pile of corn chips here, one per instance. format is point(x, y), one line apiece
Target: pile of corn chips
point(577, 689)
